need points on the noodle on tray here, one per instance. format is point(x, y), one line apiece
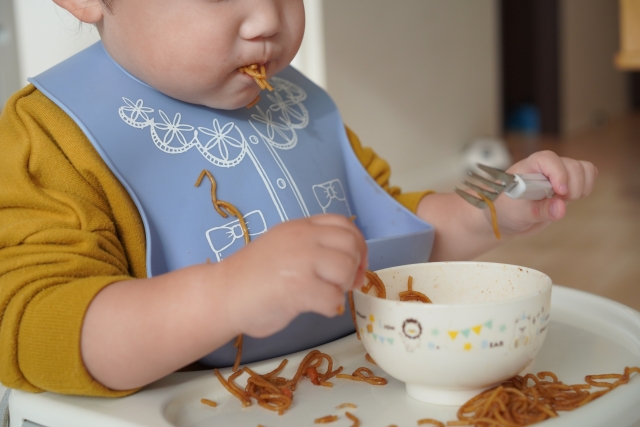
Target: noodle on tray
point(519, 401)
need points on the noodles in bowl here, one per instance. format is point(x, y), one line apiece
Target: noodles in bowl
point(486, 323)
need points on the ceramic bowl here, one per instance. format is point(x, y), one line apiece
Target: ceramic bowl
point(486, 324)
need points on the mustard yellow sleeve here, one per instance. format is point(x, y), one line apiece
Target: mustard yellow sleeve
point(379, 169)
point(67, 230)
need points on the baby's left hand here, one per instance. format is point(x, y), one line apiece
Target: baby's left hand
point(571, 179)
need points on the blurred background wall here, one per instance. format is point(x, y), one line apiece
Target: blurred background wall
point(593, 90)
point(44, 35)
point(9, 70)
point(417, 81)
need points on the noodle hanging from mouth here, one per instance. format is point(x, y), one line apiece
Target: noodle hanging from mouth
point(259, 74)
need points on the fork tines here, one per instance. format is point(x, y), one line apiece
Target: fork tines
point(491, 195)
point(498, 186)
point(475, 201)
point(491, 192)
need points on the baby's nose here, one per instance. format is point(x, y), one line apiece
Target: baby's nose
point(262, 21)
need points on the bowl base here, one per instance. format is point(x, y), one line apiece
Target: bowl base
point(443, 396)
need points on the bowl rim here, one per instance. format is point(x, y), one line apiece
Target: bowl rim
point(439, 306)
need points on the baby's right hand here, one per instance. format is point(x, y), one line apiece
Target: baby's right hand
point(298, 266)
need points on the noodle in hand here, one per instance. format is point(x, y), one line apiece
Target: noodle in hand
point(238, 346)
point(375, 281)
point(352, 307)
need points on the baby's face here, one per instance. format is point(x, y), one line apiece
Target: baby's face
point(191, 49)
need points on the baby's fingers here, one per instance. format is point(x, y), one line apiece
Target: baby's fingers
point(325, 299)
point(548, 210)
point(337, 268)
point(590, 174)
point(571, 179)
point(580, 179)
point(550, 165)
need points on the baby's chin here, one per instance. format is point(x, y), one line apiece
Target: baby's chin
point(229, 101)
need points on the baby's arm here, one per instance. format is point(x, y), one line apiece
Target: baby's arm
point(138, 331)
point(464, 231)
point(66, 232)
point(72, 267)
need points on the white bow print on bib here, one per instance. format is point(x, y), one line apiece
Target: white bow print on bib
point(223, 237)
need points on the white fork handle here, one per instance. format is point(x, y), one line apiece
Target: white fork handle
point(534, 186)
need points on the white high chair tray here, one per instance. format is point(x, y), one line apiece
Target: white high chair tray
point(587, 335)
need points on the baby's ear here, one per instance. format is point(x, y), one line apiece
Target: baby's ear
point(87, 11)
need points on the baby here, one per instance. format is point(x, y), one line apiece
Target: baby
point(134, 176)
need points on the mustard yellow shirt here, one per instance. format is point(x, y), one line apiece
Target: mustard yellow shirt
point(68, 229)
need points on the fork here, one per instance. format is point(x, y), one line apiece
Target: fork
point(533, 186)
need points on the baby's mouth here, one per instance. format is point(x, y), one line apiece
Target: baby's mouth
point(259, 74)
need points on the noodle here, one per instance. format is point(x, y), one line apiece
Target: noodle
point(356, 421)
point(352, 307)
point(430, 421)
point(325, 420)
point(374, 280)
point(276, 393)
point(494, 216)
point(260, 77)
point(254, 102)
point(516, 403)
point(208, 402)
point(346, 405)
point(411, 295)
point(519, 401)
point(233, 390)
point(230, 209)
point(370, 359)
point(238, 346)
point(364, 374)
